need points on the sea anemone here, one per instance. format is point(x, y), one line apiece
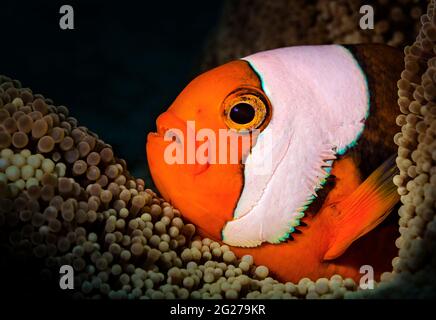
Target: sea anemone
point(66, 198)
point(248, 26)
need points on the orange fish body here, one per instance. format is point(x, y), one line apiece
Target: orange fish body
point(308, 248)
point(340, 227)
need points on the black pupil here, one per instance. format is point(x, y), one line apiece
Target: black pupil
point(242, 113)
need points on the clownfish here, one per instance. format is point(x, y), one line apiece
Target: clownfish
point(322, 121)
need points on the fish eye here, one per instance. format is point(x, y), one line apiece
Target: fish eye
point(246, 109)
point(242, 113)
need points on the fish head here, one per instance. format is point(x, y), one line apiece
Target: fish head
point(300, 106)
point(196, 155)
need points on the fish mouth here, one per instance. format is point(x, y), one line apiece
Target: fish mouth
point(168, 124)
point(159, 135)
point(168, 120)
point(170, 128)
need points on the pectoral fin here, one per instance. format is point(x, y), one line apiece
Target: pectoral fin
point(364, 209)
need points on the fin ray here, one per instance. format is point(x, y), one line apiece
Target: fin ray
point(365, 208)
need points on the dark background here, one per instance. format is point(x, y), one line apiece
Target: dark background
point(123, 65)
